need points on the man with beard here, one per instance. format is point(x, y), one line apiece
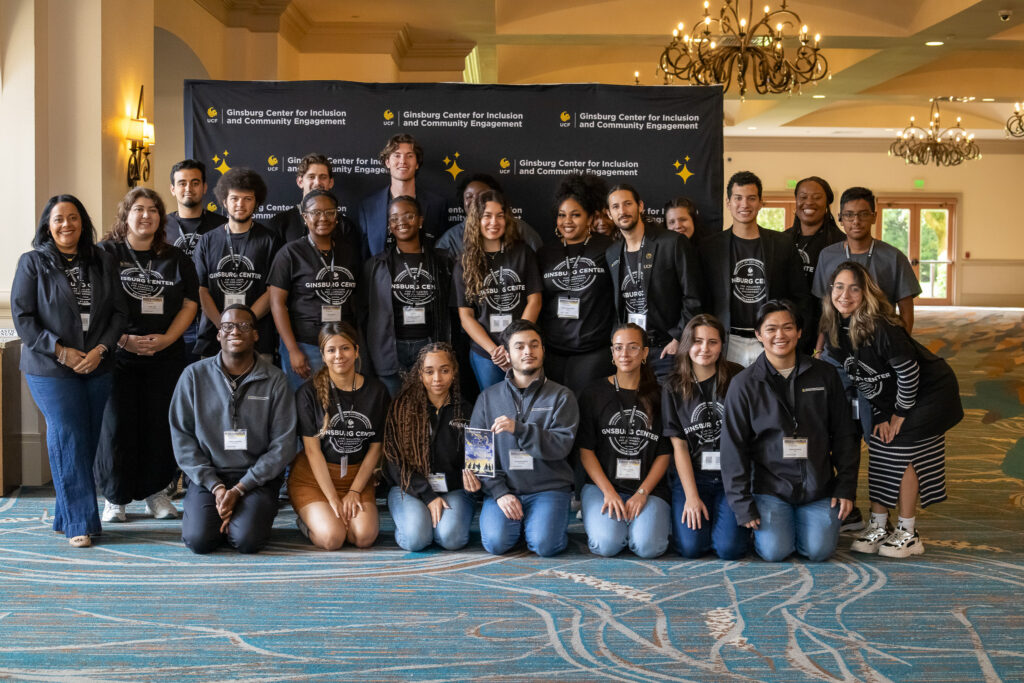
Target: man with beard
point(655, 277)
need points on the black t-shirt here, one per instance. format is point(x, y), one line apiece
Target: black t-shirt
point(321, 286)
point(413, 290)
point(355, 419)
point(616, 428)
point(698, 420)
point(78, 279)
point(577, 275)
point(632, 285)
point(512, 276)
point(156, 288)
point(749, 282)
point(809, 247)
point(184, 233)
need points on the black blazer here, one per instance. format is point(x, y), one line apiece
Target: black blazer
point(45, 310)
point(782, 264)
point(671, 282)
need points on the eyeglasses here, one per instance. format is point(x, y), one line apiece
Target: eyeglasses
point(317, 214)
point(405, 218)
point(840, 288)
point(242, 327)
point(859, 215)
point(628, 349)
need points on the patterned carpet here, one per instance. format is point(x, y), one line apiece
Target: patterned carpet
point(138, 606)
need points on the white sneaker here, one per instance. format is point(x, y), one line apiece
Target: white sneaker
point(901, 543)
point(871, 538)
point(113, 513)
point(161, 507)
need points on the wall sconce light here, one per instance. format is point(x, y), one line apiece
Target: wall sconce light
point(142, 135)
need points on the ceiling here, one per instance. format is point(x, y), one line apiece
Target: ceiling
point(882, 72)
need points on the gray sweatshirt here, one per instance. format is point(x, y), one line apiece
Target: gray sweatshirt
point(546, 416)
point(201, 411)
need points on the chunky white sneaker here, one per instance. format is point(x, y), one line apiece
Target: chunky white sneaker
point(161, 507)
point(869, 540)
point(113, 513)
point(901, 543)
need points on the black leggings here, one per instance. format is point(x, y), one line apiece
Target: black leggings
point(251, 521)
point(578, 370)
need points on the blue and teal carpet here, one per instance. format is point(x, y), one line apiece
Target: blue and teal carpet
point(140, 607)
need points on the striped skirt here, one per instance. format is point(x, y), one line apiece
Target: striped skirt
point(888, 461)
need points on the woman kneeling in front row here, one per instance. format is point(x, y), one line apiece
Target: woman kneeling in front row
point(341, 421)
point(424, 445)
point(790, 450)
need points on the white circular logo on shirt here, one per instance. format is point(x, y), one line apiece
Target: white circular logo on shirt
point(626, 441)
point(748, 281)
point(868, 382)
point(333, 284)
point(142, 283)
point(633, 293)
point(81, 289)
point(413, 286)
point(574, 275)
point(501, 290)
point(235, 275)
point(347, 431)
point(706, 422)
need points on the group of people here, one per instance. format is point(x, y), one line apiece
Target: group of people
point(689, 387)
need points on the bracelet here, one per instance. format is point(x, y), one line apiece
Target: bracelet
point(103, 349)
point(237, 488)
point(358, 493)
point(62, 357)
point(218, 486)
point(642, 491)
point(123, 344)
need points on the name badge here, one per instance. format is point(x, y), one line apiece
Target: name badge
point(330, 314)
point(236, 440)
point(711, 461)
point(438, 483)
point(568, 309)
point(152, 305)
point(855, 404)
point(627, 468)
point(234, 300)
point(85, 322)
point(794, 448)
point(414, 315)
point(639, 319)
point(499, 323)
point(343, 465)
point(520, 460)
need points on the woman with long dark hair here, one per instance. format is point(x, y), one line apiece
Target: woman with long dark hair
point(424, 451)
point(625, 501)
point(914, 399)
point(69, 313)
point(693, 406)
point(135, 459)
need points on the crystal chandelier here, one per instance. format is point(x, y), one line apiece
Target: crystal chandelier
point(922, 146)
point(1015, 124)
point(754, 48)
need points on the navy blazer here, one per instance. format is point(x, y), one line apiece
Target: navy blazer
point(45, 311)
point(373, 219)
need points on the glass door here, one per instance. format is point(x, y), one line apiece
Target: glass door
point(923, 230)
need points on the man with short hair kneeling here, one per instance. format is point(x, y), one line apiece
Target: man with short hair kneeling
point(233, 428)
point(534, 423)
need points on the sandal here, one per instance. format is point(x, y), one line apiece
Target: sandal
point(80, 541)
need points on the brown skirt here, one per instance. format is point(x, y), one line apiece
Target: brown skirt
point(303, 488)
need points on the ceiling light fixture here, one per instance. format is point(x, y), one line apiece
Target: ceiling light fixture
point(934, 43)
point(753, 48)
point(1015, 124)
point(922, 146)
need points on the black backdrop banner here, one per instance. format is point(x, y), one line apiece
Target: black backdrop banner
point(664, 140)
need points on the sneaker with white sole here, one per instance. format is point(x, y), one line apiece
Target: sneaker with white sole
point(901, 543)
point(853, 522)
point(161, 507)
point(869, 540)
point(113, 513)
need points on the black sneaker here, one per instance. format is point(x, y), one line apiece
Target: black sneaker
point(853, 522)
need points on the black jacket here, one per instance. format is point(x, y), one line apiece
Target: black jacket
point(447, 453)
point(671, 282)
point(782, 263)
point(756, 422)
point(45, 310)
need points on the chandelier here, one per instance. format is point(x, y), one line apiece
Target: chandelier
point(754, 48)
point(1015, 124)
point(949, 147)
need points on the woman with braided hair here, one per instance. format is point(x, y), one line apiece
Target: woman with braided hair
point(430, 498)
point(341, 422)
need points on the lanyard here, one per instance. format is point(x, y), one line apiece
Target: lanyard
point(571, 269)
point(419, 270)
point(236, 259)
point(789, 400)
point(499, 276)
point(871, 251)
point(75, 262)
point(639, 276)
point(622, 406)
point(138, 264)
point(709, 404)
point(336, 395)
point(237, 387)
point(320, 254)
point(520, 414)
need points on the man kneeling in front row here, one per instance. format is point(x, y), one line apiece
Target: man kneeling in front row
point(233, 428)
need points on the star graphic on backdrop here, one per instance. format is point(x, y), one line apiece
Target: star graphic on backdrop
point(454, 167)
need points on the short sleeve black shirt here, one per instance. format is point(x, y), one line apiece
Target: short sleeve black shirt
point(355, 419)
point(749, 282)
point(576, 272)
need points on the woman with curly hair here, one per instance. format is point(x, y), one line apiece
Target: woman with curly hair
point(135, 459)
point(341, 422)
point(575, 316)
point(424, 451)
point(496, 281)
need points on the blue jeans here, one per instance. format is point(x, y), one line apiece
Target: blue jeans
point(811, 529)
point(721, 533)
point(413, 530)
point(73, 409)
point(312, 352)
point(486, 372)
point(647, 535)
point(545, 524)
point(407, 351)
